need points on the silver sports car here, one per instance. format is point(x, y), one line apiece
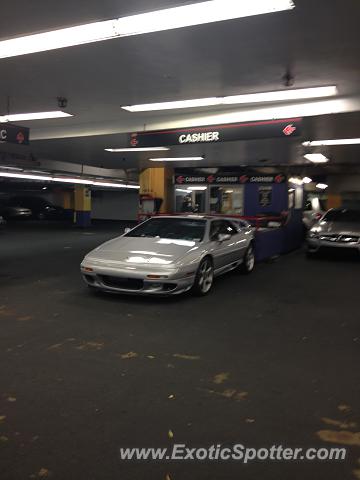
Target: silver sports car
point(338, 228)
point(171, 254)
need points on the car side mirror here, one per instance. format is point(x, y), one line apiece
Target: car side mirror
point(127, 230)
point(223, 237)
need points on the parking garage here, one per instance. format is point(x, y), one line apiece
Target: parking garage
point(180, 240)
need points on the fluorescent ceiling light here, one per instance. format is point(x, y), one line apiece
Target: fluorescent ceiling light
point(316, 158)
point(95, 183)
point(167, 19)
point(296, 181)
point(322, 186)
point(194, 189)
point(45, 178)
point(72, 180)
point(25, 117)
point(16, 169)
point(137, 149)
point(175, 159)
point(150, 107)
point(307, 180)
point(115, 185)
point(25, 176)
point(277, 96)
point(323, 143)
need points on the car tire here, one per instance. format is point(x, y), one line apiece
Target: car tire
point(204, 278)
point(248, 264)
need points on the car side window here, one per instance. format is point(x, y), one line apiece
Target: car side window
point(214, 229)
point(222, 227)
point(228, 228)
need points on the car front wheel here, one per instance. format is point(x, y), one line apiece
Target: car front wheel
point(248, 264)
point(204, 277)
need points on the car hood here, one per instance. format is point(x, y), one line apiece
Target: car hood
point(133, 250)
point(340, 228)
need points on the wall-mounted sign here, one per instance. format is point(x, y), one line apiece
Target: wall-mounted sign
point(265, 196)
point(13, 134)
point(229, 179)
point(218, 133)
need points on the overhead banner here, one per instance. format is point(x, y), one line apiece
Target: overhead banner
point(13, 134)
point(218, 133)
point(229, 179)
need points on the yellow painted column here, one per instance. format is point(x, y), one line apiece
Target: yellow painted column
point(82, 214)
point(334, 201)
point(68, 203)
point(156, 183)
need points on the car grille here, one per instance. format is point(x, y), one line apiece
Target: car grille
point(123, 283)
point(347, 239)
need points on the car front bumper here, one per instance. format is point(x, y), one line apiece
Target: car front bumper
point(137, 282)
point(315, 244)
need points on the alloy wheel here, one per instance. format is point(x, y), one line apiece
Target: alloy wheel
point(205, 276)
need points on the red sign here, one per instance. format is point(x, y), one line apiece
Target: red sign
point(289, 130)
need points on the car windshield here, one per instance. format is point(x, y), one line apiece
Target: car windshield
point(173, 228)
point(352, 216)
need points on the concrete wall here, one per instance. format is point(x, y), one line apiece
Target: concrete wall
point(110, 205)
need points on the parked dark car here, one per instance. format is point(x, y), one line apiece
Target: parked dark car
point(14, 212)
point(41, 208)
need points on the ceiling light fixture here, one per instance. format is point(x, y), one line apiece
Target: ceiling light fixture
point(277, 96)
point(296, 181)
point(316, 158)
point(80, 181)
point(156, 21)
point(182, 190)
point(325, 143)
point(25, 176)
point(322, 186)
point(116, 185)
point(25, 117)
point(137, 149)
point(177, 159)
point(307, 180)
point(195, 189)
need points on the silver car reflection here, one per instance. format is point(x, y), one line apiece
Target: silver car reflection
point(338, 228)
point(171, 254)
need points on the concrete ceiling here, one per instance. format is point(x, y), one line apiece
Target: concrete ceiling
point(318, 41)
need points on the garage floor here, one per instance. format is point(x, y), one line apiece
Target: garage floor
point(268, 359)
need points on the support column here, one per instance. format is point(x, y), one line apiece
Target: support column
point(156, 183)
point(82, 214)
point(334, 201)
point(68, 204)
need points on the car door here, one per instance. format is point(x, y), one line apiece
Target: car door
point(227, 251)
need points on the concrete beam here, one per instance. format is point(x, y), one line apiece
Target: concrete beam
point(154, 121)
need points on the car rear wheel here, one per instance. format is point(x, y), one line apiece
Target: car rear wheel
point(248, 264)
point(204, 277)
